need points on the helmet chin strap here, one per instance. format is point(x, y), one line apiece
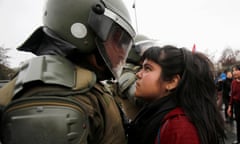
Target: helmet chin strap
point(96, 63)
point(93, 61)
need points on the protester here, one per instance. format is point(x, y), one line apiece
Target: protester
point(219, 84)
point(235, 101)
point(226, 89)
point(57, 97)
point(179, 87)
point(235, 68)
point(131, 105)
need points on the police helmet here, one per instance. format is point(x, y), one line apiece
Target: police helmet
point(91, 24)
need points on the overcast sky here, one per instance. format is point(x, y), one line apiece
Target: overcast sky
point(210, 24)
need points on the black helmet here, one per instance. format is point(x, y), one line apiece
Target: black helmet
point(91, 24)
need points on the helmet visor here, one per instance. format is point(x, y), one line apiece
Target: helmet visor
point(101, 24)
point(115, 48)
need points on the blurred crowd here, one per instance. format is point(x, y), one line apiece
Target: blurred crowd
point(228, 96)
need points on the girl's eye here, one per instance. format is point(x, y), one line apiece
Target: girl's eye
point(147, 68)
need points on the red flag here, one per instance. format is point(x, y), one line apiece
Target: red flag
point(194, 48)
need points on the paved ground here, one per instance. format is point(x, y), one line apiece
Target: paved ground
point(230, 130)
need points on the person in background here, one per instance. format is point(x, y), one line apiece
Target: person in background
point(226, 89)
point(178, 87)
point(57, 97)
point(219, 84)
point(235, 68)
point(234, 103)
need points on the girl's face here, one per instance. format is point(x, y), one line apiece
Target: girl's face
point(149, 84)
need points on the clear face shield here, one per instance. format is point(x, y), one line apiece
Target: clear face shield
point(115, 50)
point(114, 39)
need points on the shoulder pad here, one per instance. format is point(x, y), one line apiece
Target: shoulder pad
point(57, 70)
point(126, 80)
point(85, 79)
point(131, 67)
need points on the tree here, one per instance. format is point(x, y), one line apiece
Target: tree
point(228, 57)
point(3, 56)
point(5, 72)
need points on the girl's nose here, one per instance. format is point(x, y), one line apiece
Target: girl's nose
point(138, 74)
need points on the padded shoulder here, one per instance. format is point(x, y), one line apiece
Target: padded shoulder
point(48, 120)
point(55, 70)
point(126, 80)
point(85, 79)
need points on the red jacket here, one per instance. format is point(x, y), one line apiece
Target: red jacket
point(177, 129)
point(235, 92)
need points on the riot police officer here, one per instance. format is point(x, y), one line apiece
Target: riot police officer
point(57, 97)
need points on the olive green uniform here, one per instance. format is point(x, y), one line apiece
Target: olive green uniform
point(100, 117)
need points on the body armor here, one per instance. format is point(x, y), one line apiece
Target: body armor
point(50, 106)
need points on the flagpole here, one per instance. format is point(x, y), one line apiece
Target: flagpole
point(135, 12)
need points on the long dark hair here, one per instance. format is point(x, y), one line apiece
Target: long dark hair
point(196, 92)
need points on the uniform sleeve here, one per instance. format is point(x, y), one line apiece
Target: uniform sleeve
point(178, 131)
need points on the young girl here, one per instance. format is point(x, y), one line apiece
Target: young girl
point(179, 87)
